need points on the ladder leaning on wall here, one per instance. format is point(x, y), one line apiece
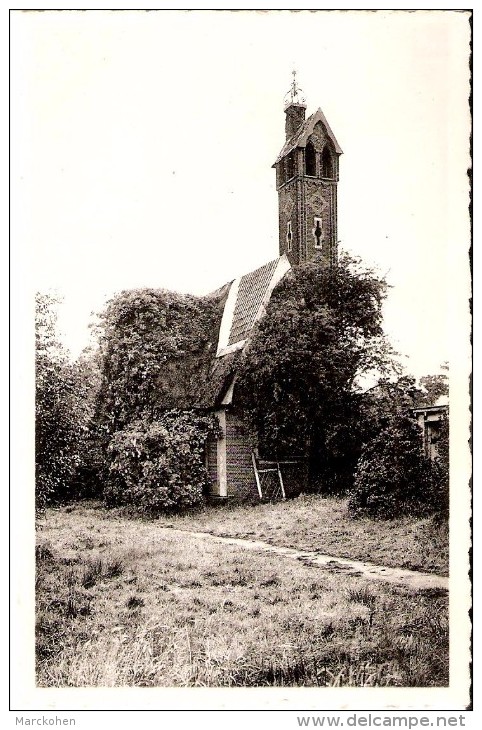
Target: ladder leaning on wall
point(269, 477)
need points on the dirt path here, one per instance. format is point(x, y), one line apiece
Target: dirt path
point(410, 578)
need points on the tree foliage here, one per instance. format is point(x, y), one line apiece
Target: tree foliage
point(61, 410)
point(393, 476)
point(159, 464)
point(298, 380)
point(88, 477)
point(388, 400)
point(155, 353)
point(435, 386)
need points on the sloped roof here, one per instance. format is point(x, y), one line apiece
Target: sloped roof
point(246, 302)
point(251, 292)
point(300, 139)
point(202, 376)
point(221, 375)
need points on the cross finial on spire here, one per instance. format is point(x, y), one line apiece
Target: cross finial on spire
point(293, 86)
point(295, 94)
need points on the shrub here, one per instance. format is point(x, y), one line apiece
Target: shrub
point(65, 447)
point(393, 477)
point(158, 465)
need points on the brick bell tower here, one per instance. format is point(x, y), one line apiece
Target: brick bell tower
point(306, 181)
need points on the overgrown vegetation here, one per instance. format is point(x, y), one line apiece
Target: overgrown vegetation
point(160, 465)
point(179, 611)
point(297, 382)
point(130, 421)
point(393, 476)
point(156, 352)
point(64, 403)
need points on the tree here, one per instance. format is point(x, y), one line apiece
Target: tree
point(393, 476)
point(387, 400)
point(89, 474)
point(62, 409)
point(298, 380)
point(435, 386)
point(54, 458)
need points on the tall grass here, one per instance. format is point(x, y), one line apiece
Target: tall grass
point(316, 523)
point(144, 607)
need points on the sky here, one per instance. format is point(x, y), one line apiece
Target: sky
point(142, 145)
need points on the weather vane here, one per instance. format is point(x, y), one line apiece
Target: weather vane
point(295, 94)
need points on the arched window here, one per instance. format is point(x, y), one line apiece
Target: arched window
point(290, 166)
point(310, 160)
point(326, 163)
point(280, 172)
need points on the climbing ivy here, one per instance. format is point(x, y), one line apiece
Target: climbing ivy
point(159, 464)
point(156, 353)
point(156, 350)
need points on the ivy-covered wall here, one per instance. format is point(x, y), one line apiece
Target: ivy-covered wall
point(156, 351)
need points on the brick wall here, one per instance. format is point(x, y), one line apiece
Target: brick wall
point(212, 463)
point(302, 199)
point(287, 211)
point(319, 203)
point(239, 466)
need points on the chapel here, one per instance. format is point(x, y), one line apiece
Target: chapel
point(307, 173)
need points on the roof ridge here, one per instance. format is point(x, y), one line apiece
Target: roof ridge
point(300, 137)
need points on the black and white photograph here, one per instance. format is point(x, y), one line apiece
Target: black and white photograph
point(241, 258)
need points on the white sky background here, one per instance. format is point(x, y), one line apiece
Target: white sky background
point(143, 145)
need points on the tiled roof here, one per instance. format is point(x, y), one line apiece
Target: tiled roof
point(202, 376)
point(301, 137)
point(247, 299)
point(252, 290)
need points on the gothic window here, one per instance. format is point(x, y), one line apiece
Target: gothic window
point(310, 160)
point(281, 172)
point(318, 232)
point(290, 166)
point(289, 237)
point(326, 163)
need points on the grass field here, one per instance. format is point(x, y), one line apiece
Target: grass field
point(121, 601)
point(322, 524)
